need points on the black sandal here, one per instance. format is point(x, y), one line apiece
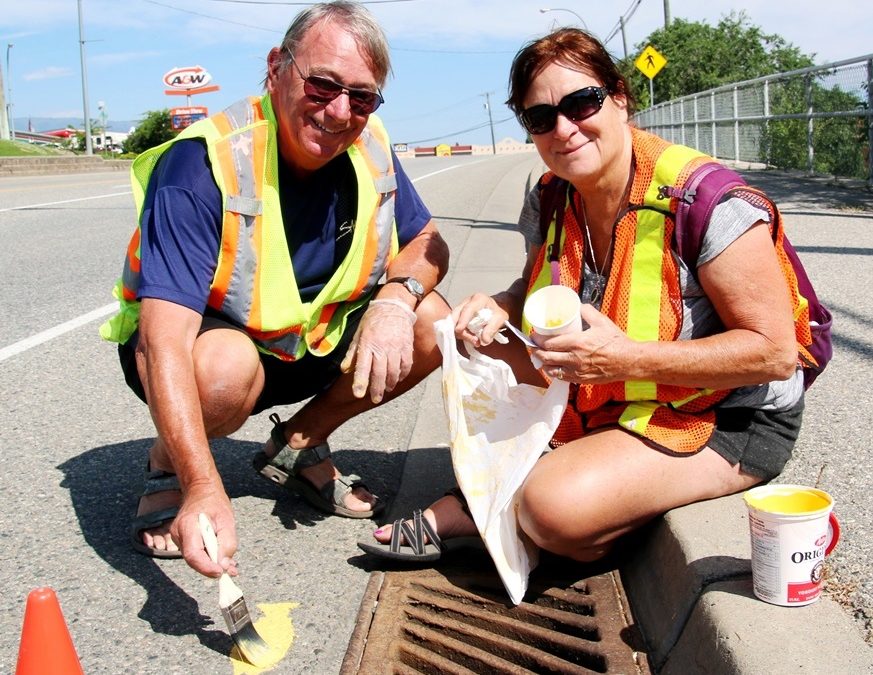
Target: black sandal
point(408, 538)
point(283, 469)
point(154, 481)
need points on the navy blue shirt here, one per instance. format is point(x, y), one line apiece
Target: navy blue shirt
point(182, 219)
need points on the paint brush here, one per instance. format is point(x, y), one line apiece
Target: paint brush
point(233, 607)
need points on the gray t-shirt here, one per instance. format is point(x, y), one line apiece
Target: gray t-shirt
point(729, 220)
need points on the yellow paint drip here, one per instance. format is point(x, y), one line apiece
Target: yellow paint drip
point(277, 629)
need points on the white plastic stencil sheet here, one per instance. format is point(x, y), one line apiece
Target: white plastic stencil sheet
point(499, 429)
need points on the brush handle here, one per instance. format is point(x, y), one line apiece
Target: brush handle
point(210, 541)
point(228, 592)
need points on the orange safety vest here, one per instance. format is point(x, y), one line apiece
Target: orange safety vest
point(254, 283)
point(643, 298)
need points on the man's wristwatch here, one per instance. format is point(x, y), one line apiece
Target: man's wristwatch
point(411, 284)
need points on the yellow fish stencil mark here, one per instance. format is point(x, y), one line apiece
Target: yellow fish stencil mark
point(277, 629)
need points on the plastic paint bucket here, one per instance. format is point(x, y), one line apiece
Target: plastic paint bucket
point(792, 528)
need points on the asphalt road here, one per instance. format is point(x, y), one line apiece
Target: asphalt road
point(75, 439)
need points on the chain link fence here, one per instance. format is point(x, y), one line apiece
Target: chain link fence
point(818, 120)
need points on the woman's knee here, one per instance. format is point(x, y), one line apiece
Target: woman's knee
point(549, 514)
point(567, 513)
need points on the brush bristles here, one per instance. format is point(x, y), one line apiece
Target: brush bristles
point(246, 637)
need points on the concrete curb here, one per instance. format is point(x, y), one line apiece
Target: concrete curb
point(690, 590)
point(36, 166)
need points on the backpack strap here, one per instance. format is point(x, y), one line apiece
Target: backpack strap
point(697, 198)
point(553, 200)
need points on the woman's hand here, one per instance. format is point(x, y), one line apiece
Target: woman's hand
point(480, 332)
point(602, 353)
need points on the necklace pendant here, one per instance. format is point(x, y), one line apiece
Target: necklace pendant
point(595, 294)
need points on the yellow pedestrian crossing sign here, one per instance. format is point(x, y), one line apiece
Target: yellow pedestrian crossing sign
point(650, 62)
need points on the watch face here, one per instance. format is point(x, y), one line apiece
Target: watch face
point(415, 287)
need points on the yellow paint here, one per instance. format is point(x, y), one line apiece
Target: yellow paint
point(789, 502)
point(277, 629)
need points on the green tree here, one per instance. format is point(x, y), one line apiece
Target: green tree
point(154, 129)
point(701, 56)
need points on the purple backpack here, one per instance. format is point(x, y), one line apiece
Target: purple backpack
point(704, 189)
point(697, 198)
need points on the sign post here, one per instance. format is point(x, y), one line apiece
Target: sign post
point(649, 63)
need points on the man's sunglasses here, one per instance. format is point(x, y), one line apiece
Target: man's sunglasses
point(323, 90)
point(577, 106)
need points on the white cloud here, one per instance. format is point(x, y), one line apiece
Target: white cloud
point(120, 57)
point(49, 73)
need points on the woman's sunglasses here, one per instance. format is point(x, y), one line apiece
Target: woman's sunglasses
point(577, 106)
point(323, 90)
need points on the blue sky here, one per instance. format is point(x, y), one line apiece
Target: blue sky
point(447, 54)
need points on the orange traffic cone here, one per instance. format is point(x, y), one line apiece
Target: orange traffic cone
point(46, 645)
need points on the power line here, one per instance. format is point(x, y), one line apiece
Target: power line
point(462, 131)
point(282, 32)
point(449, 51)
point(279, 2)
point(214, 18)
point(623, 19)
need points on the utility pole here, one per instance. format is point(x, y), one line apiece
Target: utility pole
point(88, 150)
point(666, 13)
point(487, 96)
point(4, 118)
point(623, 36)
point(9, 115)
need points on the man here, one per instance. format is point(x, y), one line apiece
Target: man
point(253, 281)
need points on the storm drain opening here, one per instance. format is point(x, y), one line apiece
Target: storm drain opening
point(460, 621)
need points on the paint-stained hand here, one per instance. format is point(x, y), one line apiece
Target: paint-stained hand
point(381, 349)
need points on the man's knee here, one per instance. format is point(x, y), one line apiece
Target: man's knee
point(228, 370)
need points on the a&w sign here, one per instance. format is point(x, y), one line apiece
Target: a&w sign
point(188, 80)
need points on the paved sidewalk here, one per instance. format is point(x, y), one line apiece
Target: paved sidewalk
point(690, 585)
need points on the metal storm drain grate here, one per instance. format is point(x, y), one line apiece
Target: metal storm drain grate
point(457, 621)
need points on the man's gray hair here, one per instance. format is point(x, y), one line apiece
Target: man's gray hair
point(357, 20)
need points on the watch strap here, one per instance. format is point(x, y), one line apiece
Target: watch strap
point(411, 284)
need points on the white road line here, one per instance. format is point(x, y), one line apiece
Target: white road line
point(65, 201)
point(72, 324)
point(51, 333)
point(448, 168)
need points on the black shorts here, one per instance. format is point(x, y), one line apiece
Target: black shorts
point(285, 382)
point(761, 441)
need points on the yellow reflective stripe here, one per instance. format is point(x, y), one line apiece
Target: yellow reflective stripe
point(667, 168)
point(636, 416)
point(644, 303)
point(696, 395)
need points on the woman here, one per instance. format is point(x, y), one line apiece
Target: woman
point(686, 393)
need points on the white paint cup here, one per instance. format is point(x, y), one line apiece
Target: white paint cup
point(792, 530)
point(553, 310)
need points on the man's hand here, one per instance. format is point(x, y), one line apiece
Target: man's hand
point(381, 349)
point(186, 530)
